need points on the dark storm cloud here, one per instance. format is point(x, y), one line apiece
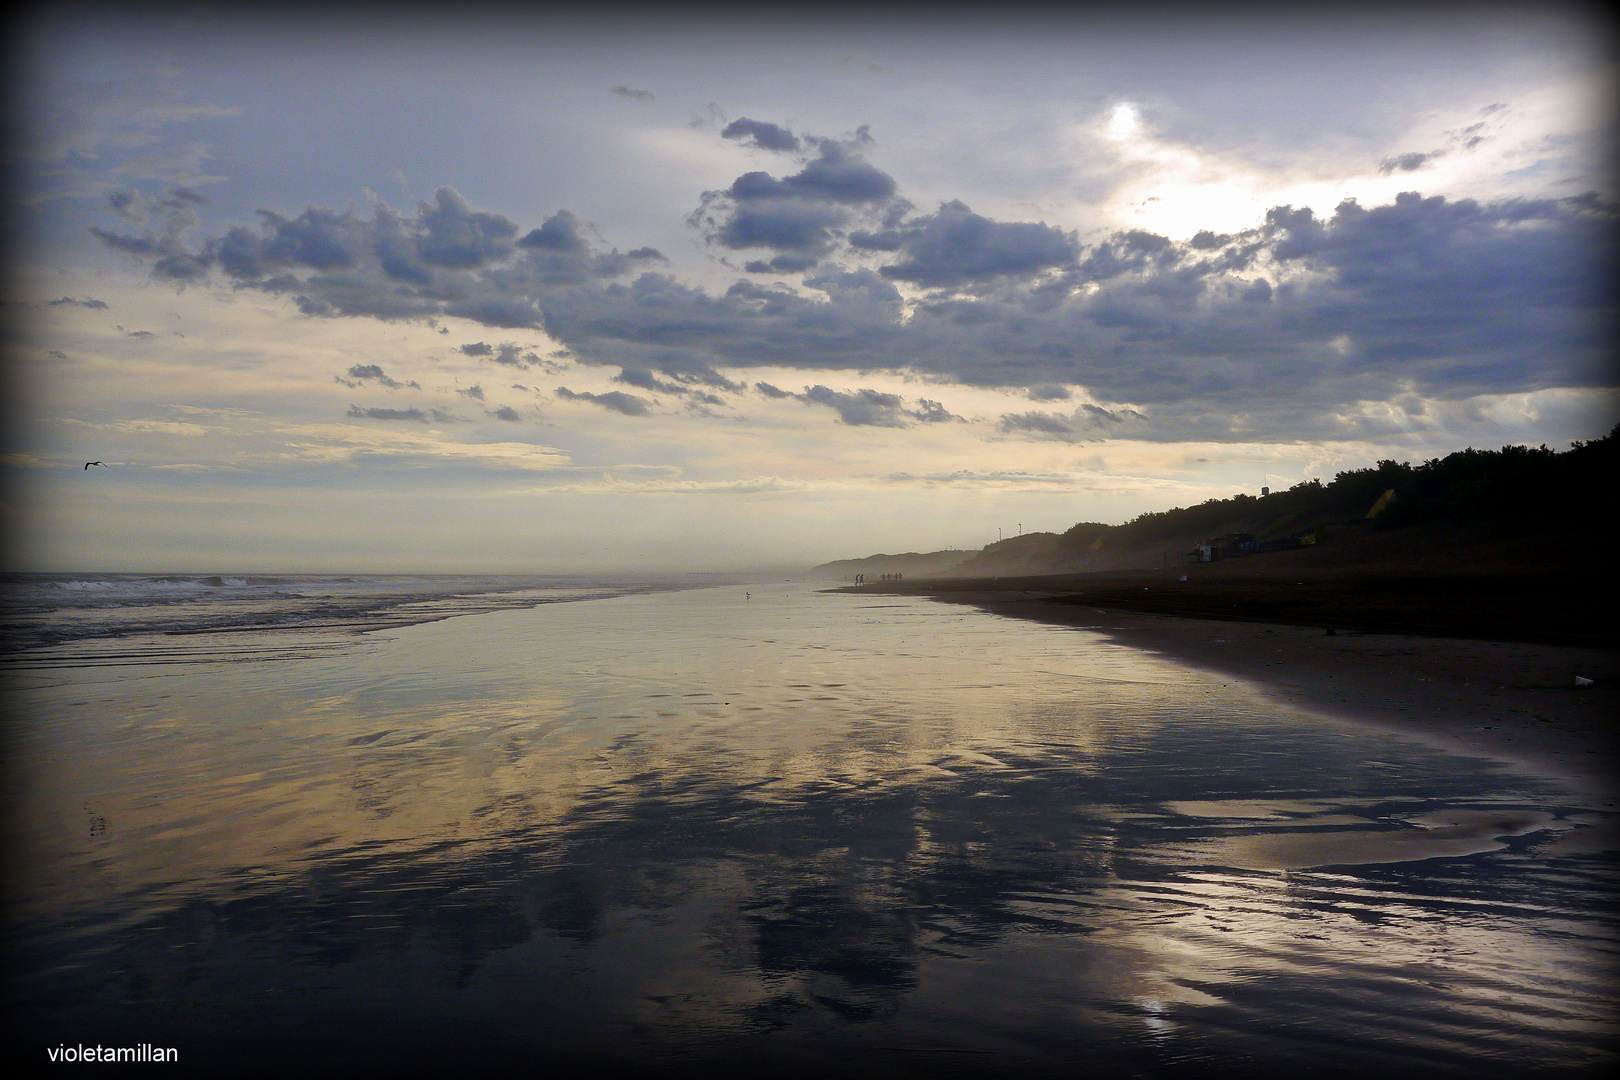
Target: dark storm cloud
point(619, 402)
point(763, 135)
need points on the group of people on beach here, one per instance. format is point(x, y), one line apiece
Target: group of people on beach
point(860, 579)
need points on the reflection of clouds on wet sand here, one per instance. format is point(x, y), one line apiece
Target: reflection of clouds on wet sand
point(671, 828)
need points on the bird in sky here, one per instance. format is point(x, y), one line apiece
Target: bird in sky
point(90, 463)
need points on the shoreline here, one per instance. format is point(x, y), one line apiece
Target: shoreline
point(1513, 701)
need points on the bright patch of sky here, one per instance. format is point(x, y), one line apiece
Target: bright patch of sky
point(717, 290)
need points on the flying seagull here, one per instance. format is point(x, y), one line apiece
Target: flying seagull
point(90, 463)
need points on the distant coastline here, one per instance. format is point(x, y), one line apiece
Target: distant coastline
point(1514, 511)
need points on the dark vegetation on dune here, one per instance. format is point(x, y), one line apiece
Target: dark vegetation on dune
point(1506, 544)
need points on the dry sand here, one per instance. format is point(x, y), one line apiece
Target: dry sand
point(1518, 702)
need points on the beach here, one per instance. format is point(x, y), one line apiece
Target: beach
point(778, 828)
point(1545, 705)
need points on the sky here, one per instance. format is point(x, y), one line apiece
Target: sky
point(462, 288)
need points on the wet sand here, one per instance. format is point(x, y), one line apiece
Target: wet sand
point(1517, 701)
point(774, 831)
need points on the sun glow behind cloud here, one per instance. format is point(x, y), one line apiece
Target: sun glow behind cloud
point(1480, 148)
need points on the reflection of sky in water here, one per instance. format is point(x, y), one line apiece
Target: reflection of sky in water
point(881, 833)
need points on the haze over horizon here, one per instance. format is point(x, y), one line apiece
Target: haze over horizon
point(709, 290)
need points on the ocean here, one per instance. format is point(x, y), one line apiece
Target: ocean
point(384, 823)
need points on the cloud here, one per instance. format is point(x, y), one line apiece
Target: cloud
point(559, 233)
point(507, 354)
point(84, 303)
point(632, 94)
point(634, 480)
point(1046, 423)
point(956, 245)
point(449, 259)
point(361, 374)
point(94, 136)
point(932, 412)
point(759, 133)
point(1024, 481)
point(1087, 421)
point(781, 264)
point(506, 412)
point(646, 380)
point(415, 416)
point(163, 427)
point(419, 448)
point(1286, 326)
point(862, 408)
point(161, 225)
point(1411, 162)
point(616, 400)
point(804, 213)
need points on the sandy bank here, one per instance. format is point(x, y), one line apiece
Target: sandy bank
point(1516, 701)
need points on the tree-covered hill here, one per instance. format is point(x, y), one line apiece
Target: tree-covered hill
point(1517, 489)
